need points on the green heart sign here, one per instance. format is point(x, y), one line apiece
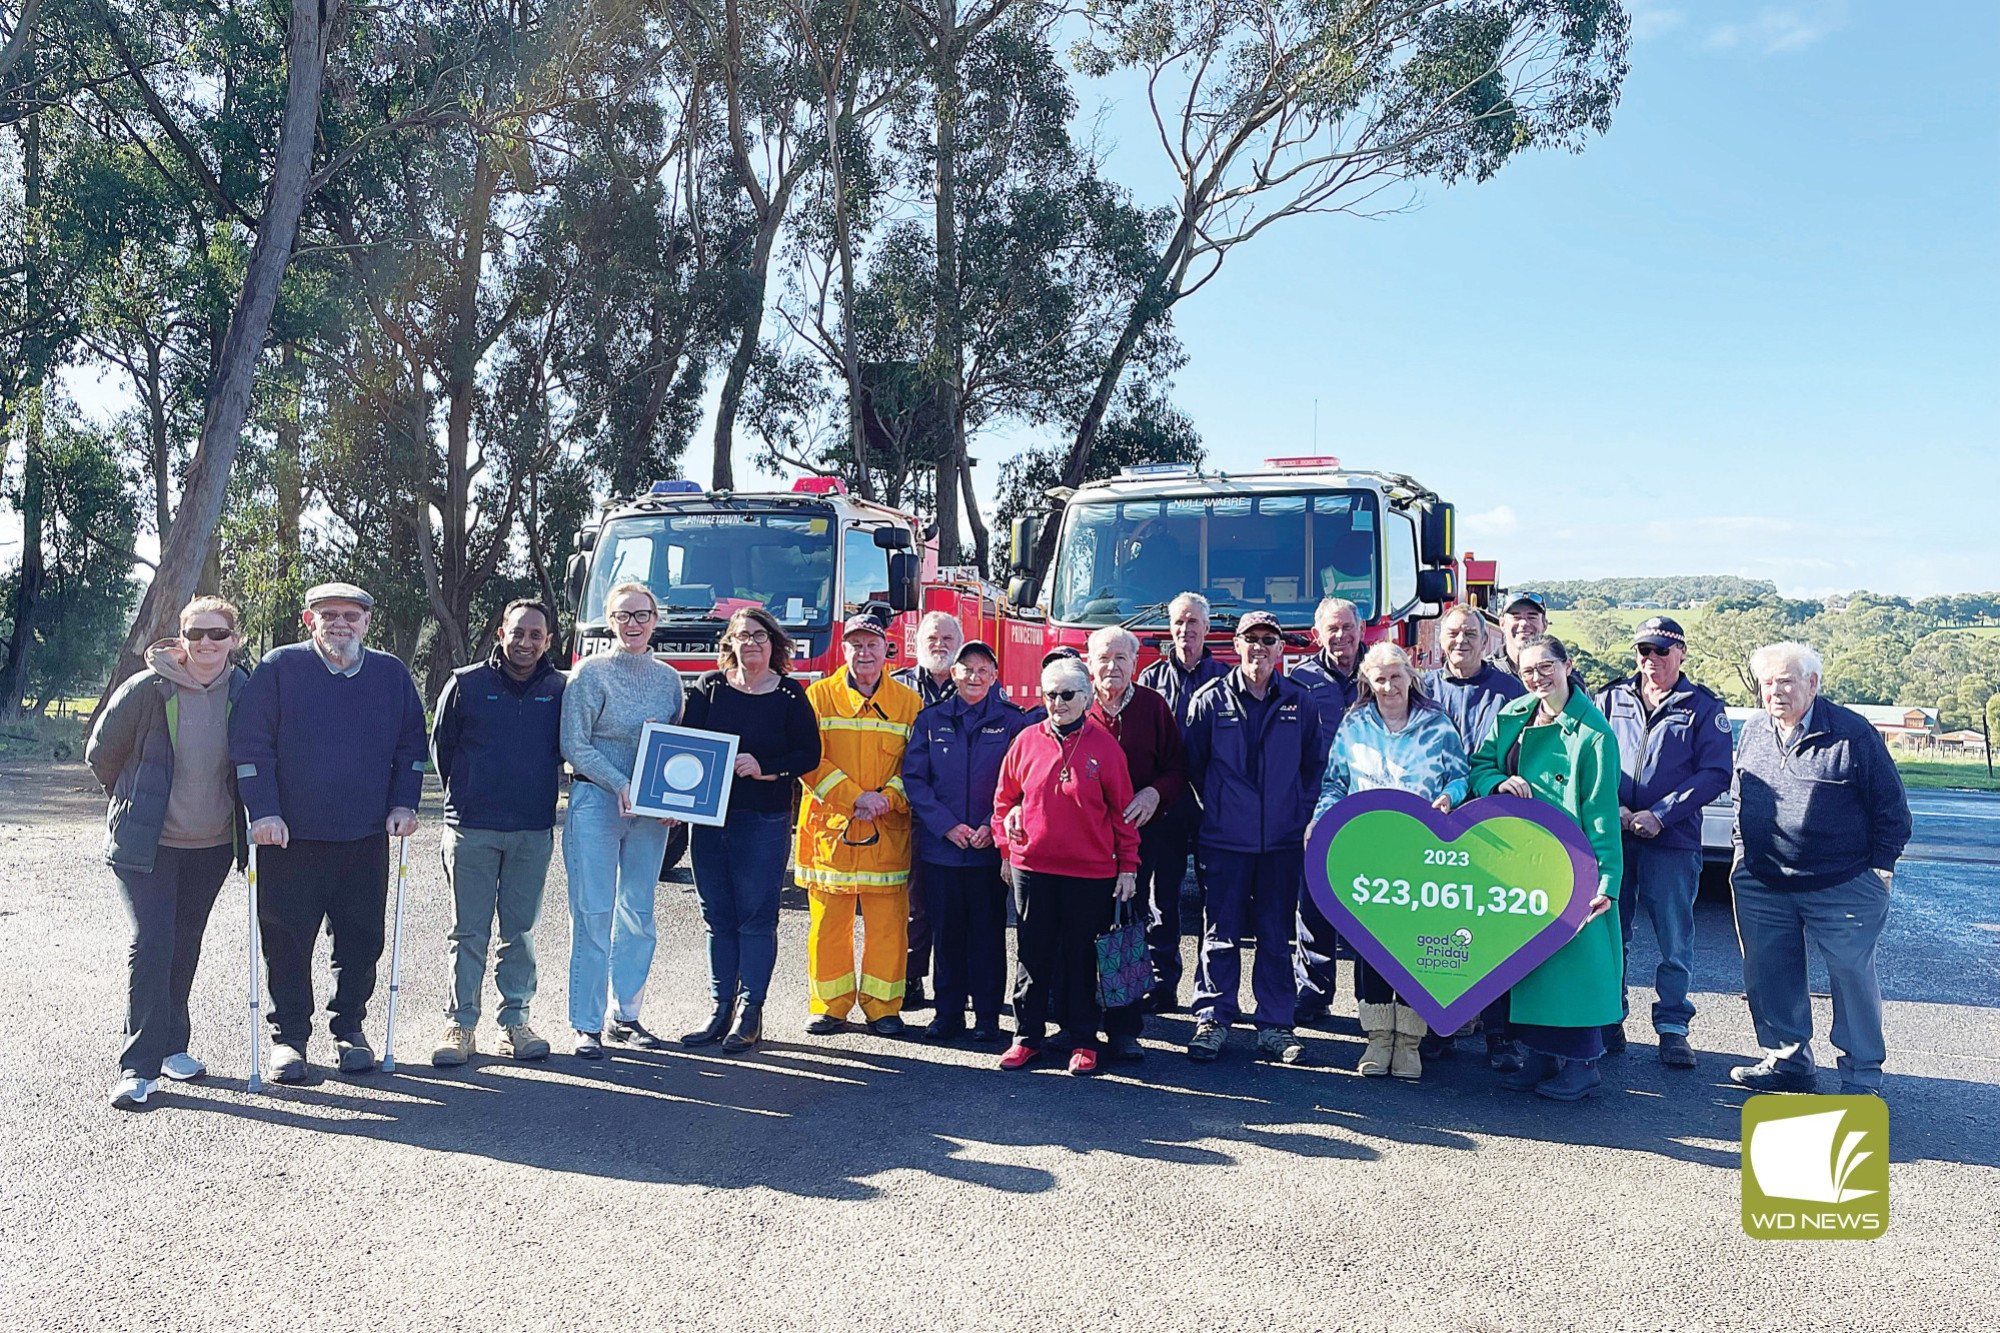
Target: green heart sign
point(1451, 909)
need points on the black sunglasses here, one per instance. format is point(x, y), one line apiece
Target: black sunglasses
point(1261, 640)
point(200, 632)
point(1060, 696)
point(1653, 649)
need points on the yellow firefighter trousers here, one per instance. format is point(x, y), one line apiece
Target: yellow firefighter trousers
point(885, 951)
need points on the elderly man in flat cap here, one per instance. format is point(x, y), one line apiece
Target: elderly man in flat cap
point(329, 747)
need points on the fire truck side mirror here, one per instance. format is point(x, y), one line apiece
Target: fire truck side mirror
point(906, 591)
point(573, 576)
point(1027, 530)
point(586, 540)
point(1436, 586)
point(893, 539)
point(1436, 534)
point(1023, 592)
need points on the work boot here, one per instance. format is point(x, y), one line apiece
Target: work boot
point(715, 1029)
point(749, 1029)
point(825, 1025)
point(1379, 1022)
point(1408, 1062)
point(913, 995)
point(455, 1047)
point(888, 1025)
point(521, 1042)
point(1208, 1040)
point(945, 1027)
point(985, 1028)
point(1282, 1045)
point(1675, 1052)
point(1536, 1068)
point(1576, 1080)
point(356, 1055)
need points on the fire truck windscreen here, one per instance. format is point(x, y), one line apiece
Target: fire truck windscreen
point(702, 565)
point(1277, 553)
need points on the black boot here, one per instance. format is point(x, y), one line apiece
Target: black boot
point(711, 1031)
point(749, 1027)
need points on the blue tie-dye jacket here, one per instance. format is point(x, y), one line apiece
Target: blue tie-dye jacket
point(1426, 758)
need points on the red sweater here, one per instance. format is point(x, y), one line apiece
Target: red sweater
point(1074, 826)
point(1146, 731)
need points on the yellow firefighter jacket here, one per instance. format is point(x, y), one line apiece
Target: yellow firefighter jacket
point(861, 750)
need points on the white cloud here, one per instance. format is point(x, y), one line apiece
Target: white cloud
point(1498, 521)
point(1652, 19)
point(1779, 28)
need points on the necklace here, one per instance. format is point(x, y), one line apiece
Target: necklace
point(1068, 747)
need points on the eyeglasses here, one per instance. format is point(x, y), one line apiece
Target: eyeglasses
point(200, 632)
point(350, 617)
point(1060, 696)
point(754, 636)
point(1261, 640)
point(1653, 649)
point(1541, 669)
point(633, 617)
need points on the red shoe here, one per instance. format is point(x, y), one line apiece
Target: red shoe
point(1082, 1061)
point(1019, 1056)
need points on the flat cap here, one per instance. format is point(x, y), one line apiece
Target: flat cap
point(339, 592)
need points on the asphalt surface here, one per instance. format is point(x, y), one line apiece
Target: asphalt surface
point(859, 1183)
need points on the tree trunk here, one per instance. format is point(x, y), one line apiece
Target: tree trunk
point(34, 572)
point(288, 480)
point(746, 350)
point(186, 549)
point(156, 440)
point(951, 313)
point(843, 236)
point(982, 542)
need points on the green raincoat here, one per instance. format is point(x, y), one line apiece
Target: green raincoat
point(1572, 764)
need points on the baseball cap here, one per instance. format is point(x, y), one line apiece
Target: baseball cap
point(338, 592)
point(1521, 599)
point(1661, 632)
point(1059, 652)
point(863, 624)
point(977, 648)
point(1252, 619)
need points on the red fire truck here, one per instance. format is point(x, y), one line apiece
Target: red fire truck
point(1277, 539)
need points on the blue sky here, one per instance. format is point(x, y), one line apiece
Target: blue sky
point(1751, 330)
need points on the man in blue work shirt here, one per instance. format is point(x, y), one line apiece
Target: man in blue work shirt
point(1330, 674)
point(1256, 753)
point(497, 747)
point(328, 743)
point(1176, 677)
point(1674, 747)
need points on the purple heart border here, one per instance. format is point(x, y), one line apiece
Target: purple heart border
point(1538, 949)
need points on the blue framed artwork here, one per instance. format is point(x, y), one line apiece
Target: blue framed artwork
point(683, 774)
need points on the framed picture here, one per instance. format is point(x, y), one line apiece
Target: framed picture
point(683, 774)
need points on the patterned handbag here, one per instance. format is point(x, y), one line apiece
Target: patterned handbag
point(1124, 968)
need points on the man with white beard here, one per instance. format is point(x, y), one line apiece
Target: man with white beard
point(939, 637)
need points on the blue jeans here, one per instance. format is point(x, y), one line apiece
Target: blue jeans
point(1844, 922)
point(613, 863)
point(739, 870)
point(1662, 882)
point(1248, 892)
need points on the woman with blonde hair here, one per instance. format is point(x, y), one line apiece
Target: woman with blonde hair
point(1392, 738)
point(161, 750)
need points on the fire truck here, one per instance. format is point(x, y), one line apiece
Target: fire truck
point(1275, 539)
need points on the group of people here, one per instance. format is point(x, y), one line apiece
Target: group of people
point(933, 807)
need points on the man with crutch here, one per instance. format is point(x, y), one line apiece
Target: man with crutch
point(329, 747)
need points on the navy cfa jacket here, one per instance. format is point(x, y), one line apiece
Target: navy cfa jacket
point(496, 746)
point(1676, 762)
point(950, 769)
point(1257, 780)
point(1333, 693)
point(1177, 685)
point(1822, 810)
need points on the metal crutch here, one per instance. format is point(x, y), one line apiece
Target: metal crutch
point(256, 991)
point(396, 954)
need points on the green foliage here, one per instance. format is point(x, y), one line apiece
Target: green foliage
point(1669, 593)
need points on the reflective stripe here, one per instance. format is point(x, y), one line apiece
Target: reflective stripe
point(819, 875)
point(246, 770)
point(897, 783)
point(828, 783)
point(834, 989)
point(902, 729)
point(877, 989)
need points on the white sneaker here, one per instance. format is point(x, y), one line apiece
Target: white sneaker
point(131, 1091)
point(181, 1067)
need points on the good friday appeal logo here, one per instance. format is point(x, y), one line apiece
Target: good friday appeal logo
point(1451, 909)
